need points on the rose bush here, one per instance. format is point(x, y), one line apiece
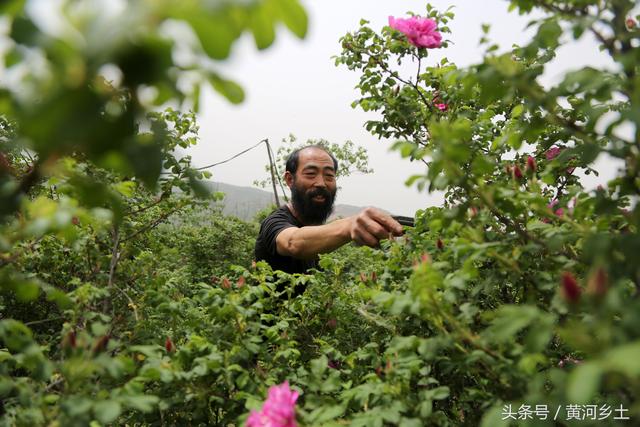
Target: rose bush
point(132, 303)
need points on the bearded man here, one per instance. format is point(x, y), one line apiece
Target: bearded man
point(291, 237)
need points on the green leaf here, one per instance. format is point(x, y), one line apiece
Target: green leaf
point(144, 403)
point(327, 413)
point(493, 418)
point(145, 156)
point(216, 34)
point(509, 320)
point(440, 393)
point(11, 7)
point(517, 111)
point(548, 33)
point(583, 382)
point(57, 296)
point(6, 385)
point(27, 290)
point(107, 411)
point(24, 31)
point(126, 188)
point(261, 24)
point(625, 359)
point(227, 88)
point(294, 17)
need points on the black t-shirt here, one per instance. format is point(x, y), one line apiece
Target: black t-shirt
point(266, 243)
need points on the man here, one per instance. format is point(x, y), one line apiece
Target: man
point(291, 238)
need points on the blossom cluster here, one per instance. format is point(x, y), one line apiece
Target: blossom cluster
point(278, 410)
point(421, 32)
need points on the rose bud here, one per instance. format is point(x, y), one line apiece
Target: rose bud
point(101, 344)
point(332, 323)
point(531, 164)
point(334, 364)
point(69, 340)
point(631, 23)
point(474, 211)
point(425, 258)
point(570, 289)
point(241, 281)
point(226, 284)
point(517, 173)
point(168, 345)
point(75, 221)
point(598, 283)
point(440, 244)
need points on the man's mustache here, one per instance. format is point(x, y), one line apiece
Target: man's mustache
point(320, 192)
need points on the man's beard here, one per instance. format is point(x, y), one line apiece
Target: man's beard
point(310, 211)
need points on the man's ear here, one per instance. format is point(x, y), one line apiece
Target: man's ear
point(288, 178)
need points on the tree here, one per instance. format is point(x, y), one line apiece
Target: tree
point(351, 159)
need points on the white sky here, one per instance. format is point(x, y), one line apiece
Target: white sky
point(294, 87)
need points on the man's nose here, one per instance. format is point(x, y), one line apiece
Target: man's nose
point(319, 181)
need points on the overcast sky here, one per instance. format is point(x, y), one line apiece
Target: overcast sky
point(294, 87)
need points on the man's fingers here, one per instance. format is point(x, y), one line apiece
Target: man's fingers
point(373, 227)
point(363, 237)
point(386, 221)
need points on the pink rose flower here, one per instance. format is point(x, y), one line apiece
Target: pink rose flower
point(421, 32)
point(557, 212)
point(278, 410)
point(552, 152)
point(441, 107)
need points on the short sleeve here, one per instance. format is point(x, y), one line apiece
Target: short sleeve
point(271, 227)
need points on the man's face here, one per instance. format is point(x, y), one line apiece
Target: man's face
point(313, 188)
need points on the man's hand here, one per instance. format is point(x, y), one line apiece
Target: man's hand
point(372, 225)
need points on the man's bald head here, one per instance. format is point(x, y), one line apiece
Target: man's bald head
point(293, 161)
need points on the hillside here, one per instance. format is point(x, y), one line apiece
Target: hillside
point(245, 202)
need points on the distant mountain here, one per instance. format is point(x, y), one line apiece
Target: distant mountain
point(246, 202)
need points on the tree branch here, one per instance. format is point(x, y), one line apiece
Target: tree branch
point(153, 224)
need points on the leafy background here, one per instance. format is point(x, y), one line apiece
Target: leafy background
point(127, 300)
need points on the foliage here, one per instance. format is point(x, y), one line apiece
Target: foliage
point(506, 150)
point(83, 81)
point(127, 300)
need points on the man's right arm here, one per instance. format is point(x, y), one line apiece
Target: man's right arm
point(366, 228)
